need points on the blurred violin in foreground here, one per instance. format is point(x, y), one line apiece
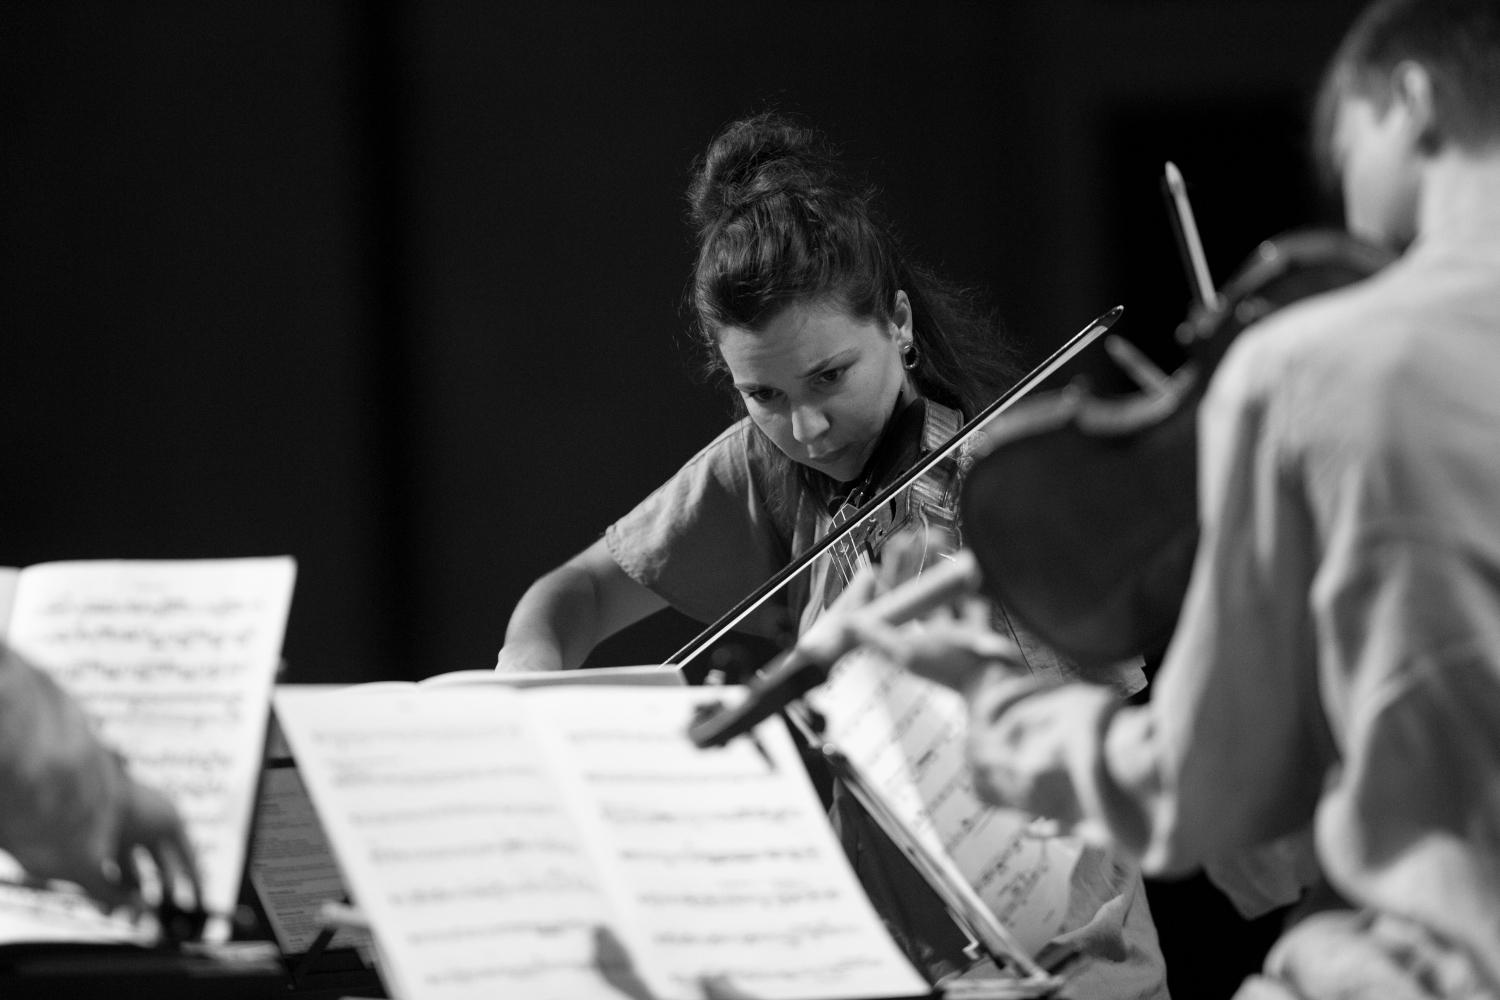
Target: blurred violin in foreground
point(1081, 516)
point(1083, 513)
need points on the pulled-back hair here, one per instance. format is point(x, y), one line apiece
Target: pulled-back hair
point(1456, 41)
point(778, 222)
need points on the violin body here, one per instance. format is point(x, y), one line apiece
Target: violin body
point(1084, 522)
point(1082, 513)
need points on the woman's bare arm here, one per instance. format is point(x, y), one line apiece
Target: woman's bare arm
point(569, 611)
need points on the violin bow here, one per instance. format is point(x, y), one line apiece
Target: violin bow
point(1141, 369)
point(1011, 396)
point(1186, 230)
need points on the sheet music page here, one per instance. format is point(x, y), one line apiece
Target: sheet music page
point(905, 736)
point(453, 841)
point(726, 872)
point(292, 867)
point(174, 662)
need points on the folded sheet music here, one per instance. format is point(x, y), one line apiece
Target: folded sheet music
point(571, 842)
point(905, 737)
point(173, 661)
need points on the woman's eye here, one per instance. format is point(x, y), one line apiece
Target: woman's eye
point(760, 395)
point(829, 377)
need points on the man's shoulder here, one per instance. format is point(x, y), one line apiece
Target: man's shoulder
point(1320, 322)
point(1356, 332)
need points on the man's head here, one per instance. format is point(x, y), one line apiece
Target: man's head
point(1412, 79)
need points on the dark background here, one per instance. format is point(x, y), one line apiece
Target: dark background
point(396, 287)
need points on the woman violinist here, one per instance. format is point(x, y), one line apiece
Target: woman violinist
point(848, 361)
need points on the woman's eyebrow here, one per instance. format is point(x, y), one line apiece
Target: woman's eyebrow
point(827, 362)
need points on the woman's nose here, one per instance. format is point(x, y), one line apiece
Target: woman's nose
point(808, 423)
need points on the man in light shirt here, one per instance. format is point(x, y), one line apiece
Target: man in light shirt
point(1336, 666)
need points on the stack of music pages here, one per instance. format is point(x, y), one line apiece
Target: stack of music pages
point(569, 841)
point(536, 836)
point(559, 835)
point(174, 663)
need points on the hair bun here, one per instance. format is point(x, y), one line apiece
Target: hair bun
point(751, 158)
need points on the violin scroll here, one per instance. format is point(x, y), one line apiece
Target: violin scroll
point(1279, 272)
point(1083, 512)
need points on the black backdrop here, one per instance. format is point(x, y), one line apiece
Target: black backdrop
point(396, 287)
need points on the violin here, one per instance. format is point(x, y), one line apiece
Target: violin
point(925, 503)
point(1080, 518)
point(860, 531)
point(1082, 514)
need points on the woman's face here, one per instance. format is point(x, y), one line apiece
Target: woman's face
point(820, 383)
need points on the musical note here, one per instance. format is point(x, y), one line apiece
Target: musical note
point(510, 928)
point(743, 813)
point(506, 847)
point(816, 933)
point(547, 882)
point(773, 897)
point(758, 856)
